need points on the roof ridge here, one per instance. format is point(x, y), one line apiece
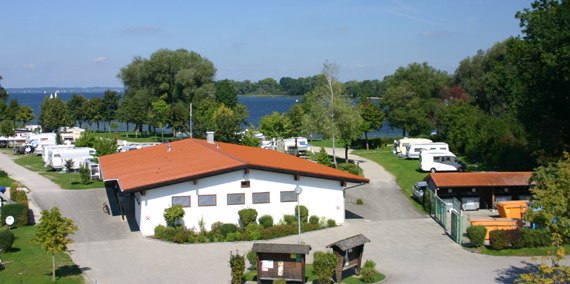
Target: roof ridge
point(218, 150)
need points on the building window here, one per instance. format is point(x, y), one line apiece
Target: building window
point(207, 200)
point(288, 196)
point(260, 197)
point(236, 198)
point(245, 184)
point(181, 200)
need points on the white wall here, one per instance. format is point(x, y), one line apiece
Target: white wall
point(323, 198)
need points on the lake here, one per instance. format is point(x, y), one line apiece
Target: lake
point(258, 106)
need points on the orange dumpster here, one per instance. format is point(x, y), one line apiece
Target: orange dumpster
point(496, 224)
point(512, 209)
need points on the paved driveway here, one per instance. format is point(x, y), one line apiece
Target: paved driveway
point(406, 246)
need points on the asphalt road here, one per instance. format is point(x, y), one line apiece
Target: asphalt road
point(406, 246)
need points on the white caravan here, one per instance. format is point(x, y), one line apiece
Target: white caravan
point(78, 155)
point(288, 146)
point(400, 145)
point(38, 141)
point(50, 148)
point(94, 169)
point(413, 150)
point(440, 161)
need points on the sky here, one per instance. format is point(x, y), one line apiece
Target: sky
point(82, 43)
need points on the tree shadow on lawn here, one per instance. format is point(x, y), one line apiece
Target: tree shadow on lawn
point(509, 275)
point(68, 270)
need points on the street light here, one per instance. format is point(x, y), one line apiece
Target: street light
point(298, 191)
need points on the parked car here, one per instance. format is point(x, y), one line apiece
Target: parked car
point(418, 190)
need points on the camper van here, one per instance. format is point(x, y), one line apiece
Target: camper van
point(39, 141)
point(94, 170)
point(413, 150)
point(58, 157)
point(400, 145)
point(288, 146)
point(440, 161)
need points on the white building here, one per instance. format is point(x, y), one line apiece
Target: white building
point(213, 181)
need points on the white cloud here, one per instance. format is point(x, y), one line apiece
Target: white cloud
point(30, 66)
point(99, 59)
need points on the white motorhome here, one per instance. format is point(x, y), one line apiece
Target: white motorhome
point(38, 141)
point(78, 155)
point(413, 150)
point(50, 148)
point(288, 146)
point(94, 169)
point(440, 161)
point(400, 145)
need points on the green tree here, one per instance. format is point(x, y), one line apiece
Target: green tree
point(324, 264)
point(541, 57)
point(25, 114)
point(52, 233)
point(551, 193)
point(349, 126)
point(134, 109)
point(7, 128)
point(226, 93)
point(110, 105)
point(12, 111)
point(54, 114)
point(158, 114)
point(173, 214)
point(3, 92)
point(372, 115)
point(95, 111)
point(412, 95)
point(227, 122)
point(275, 125)
point(78, 108)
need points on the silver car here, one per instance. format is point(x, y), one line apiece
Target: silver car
point(418, 190)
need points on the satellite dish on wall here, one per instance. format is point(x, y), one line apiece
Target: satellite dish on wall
point(9, 220)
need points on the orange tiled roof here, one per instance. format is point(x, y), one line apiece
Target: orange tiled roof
point(481, 179)
point(195, 158)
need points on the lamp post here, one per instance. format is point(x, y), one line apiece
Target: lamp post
point(298, 191)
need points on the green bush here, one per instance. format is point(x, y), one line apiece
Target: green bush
point(331, 223)
point(499, 239)
point(324, 264)
point(304, 214)
point(515, 238)
point(17, 210)
point(426, 201)
point(227, 228)
point(3, 174)
point(536, 238)
point(368, 274)
point(369, 263)
point(85, 175)
point(266, 221)
point(323, 158)
point(237, 265)
point(252, 258)
point(173, 214)
point(247, 216)
point(289, 219)
point(252, 232)
point(278, 231)
point(235, 236)
point(172, 234)
point(359, 201)
point(314, 220)
point(181, 235)
point(159, 231)
point(476, 235)
point(6, 240)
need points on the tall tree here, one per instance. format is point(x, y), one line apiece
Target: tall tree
point(226, 93)
point(52, 233)
point(6, 128)
point(12, 111)
point(54, 114)
point(372, 115)
point(110, 105)
point(95, 111)
point(542, 60)
point(227, 122)
point(349, 126)
point(158, 113)
point(77, 105)
point(274, 125)
point(25, 114)
point(3, 92)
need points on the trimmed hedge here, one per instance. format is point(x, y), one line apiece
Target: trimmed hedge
point(17, 210)
point(536, 238)
point(6, 240)
point(525, 238)
point(247, 216)
point(266, 221)
point(226, 229)
point(476, 235)
point(314, 220)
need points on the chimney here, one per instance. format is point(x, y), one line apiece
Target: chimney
point(210, 137)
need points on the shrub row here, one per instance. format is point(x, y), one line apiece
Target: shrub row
point(525, 238)
point(18, 210)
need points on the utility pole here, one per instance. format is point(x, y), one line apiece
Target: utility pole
point(191, 120)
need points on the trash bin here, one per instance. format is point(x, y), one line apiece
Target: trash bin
point(512, 209)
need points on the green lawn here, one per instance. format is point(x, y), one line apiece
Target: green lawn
point(520, 252)
point(26, 262)
point(64, 180)
point(406, 171)
point(5, 181)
